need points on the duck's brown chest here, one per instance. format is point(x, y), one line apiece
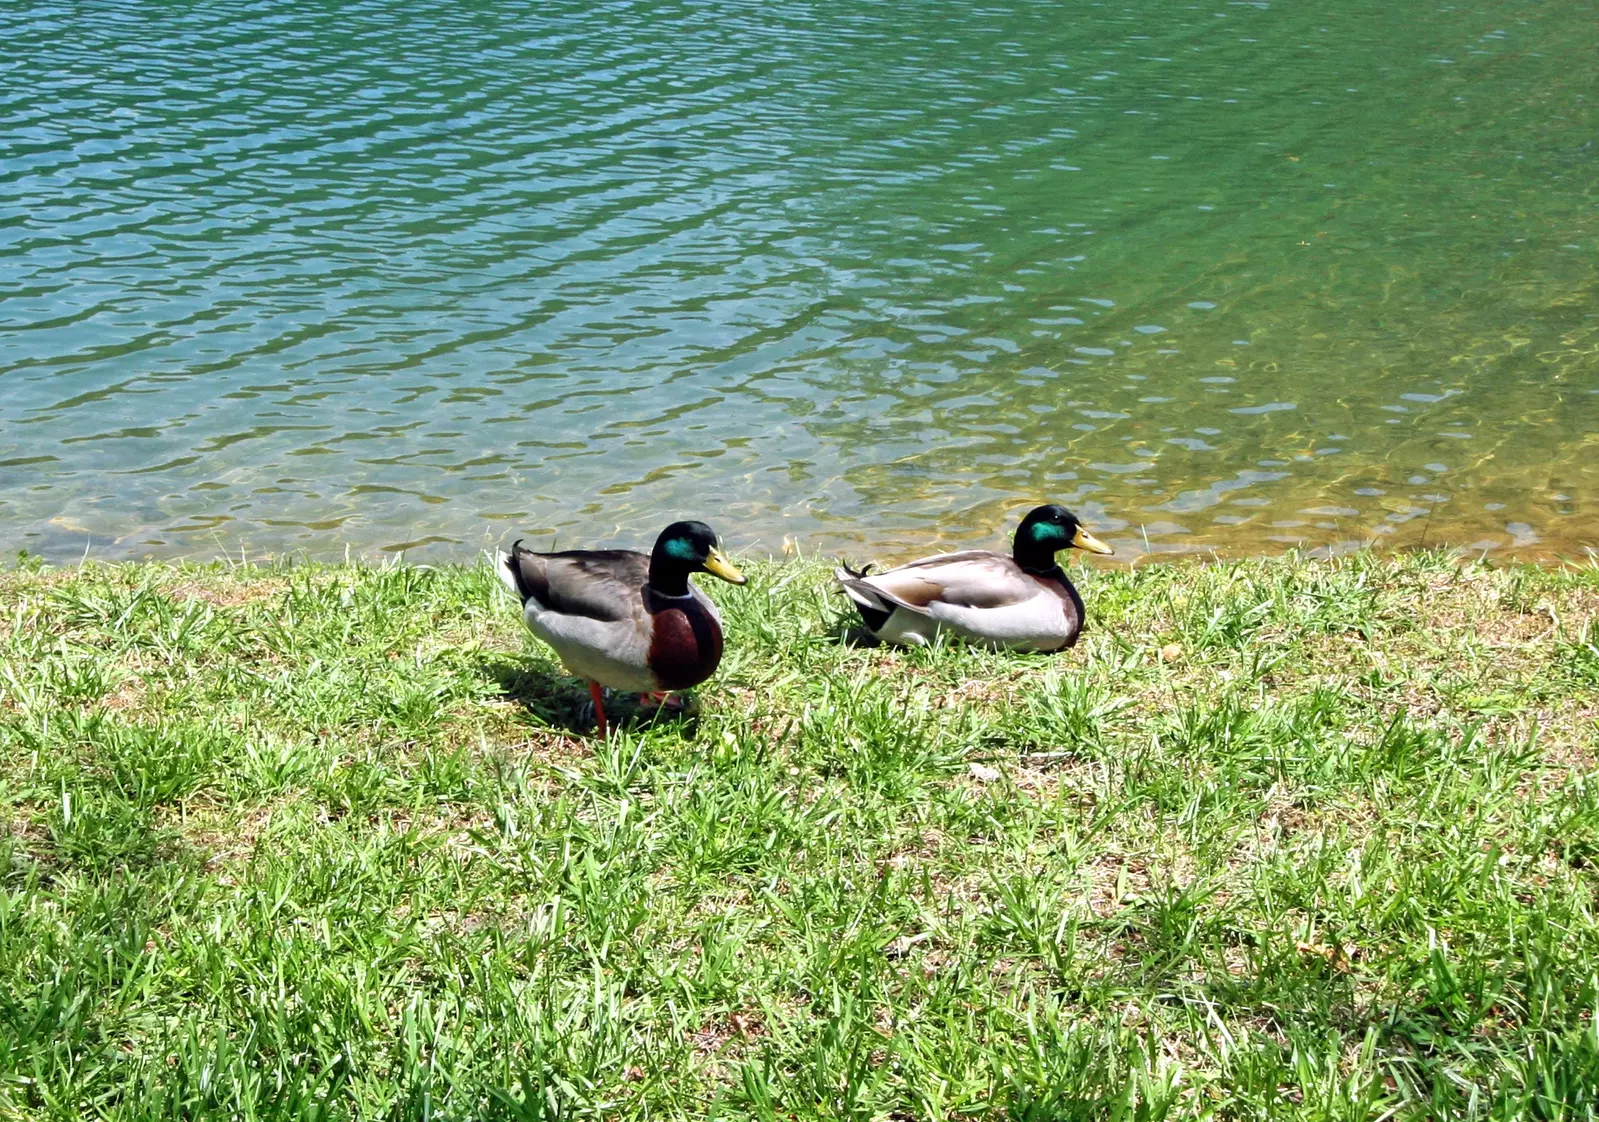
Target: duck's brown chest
point(685, 641)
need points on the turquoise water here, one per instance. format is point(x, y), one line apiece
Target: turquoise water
point(1227, 276)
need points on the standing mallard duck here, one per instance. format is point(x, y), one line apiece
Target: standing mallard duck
point(1023, 601)
point(618, 618)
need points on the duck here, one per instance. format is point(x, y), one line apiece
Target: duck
point(1021, 602)
point(621, 619)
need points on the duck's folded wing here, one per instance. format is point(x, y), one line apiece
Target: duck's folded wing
point(974, 579)
point(597, 584)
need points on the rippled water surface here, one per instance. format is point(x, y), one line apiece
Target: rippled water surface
point(426, 275)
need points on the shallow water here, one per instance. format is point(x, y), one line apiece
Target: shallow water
point(1229, 276)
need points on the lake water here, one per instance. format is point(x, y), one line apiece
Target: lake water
point(425, 276)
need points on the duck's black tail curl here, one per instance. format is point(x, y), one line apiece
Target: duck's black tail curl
point(513, 567)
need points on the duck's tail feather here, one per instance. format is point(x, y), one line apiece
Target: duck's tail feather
point(874, 605)
point(509, 568)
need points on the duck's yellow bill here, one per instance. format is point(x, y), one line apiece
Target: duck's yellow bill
point(1082, 539)
point(718, 565)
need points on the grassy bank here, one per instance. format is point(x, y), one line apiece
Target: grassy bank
point(1280, 838)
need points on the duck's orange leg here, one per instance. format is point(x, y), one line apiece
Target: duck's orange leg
point(599, 708)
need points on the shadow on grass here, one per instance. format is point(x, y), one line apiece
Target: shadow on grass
point(563, 702)
point(848, 634)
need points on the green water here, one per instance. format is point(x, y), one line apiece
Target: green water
point(1227, 276)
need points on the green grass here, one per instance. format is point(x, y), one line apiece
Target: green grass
point(1279, 839)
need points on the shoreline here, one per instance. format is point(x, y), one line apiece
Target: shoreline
point(889, 547)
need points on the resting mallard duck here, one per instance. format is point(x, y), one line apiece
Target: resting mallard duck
point(1023, 601)
point(621, 619)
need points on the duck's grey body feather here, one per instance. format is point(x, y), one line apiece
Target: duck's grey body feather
point(979, 596)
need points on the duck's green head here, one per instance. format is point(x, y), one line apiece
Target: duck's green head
point(1047, 529)
point(690, 547)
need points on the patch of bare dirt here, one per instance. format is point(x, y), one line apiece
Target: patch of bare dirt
point(716, 1033)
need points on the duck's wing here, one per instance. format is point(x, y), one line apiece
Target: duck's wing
point(598, 584)
point(970, 579)
point(589, 606)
